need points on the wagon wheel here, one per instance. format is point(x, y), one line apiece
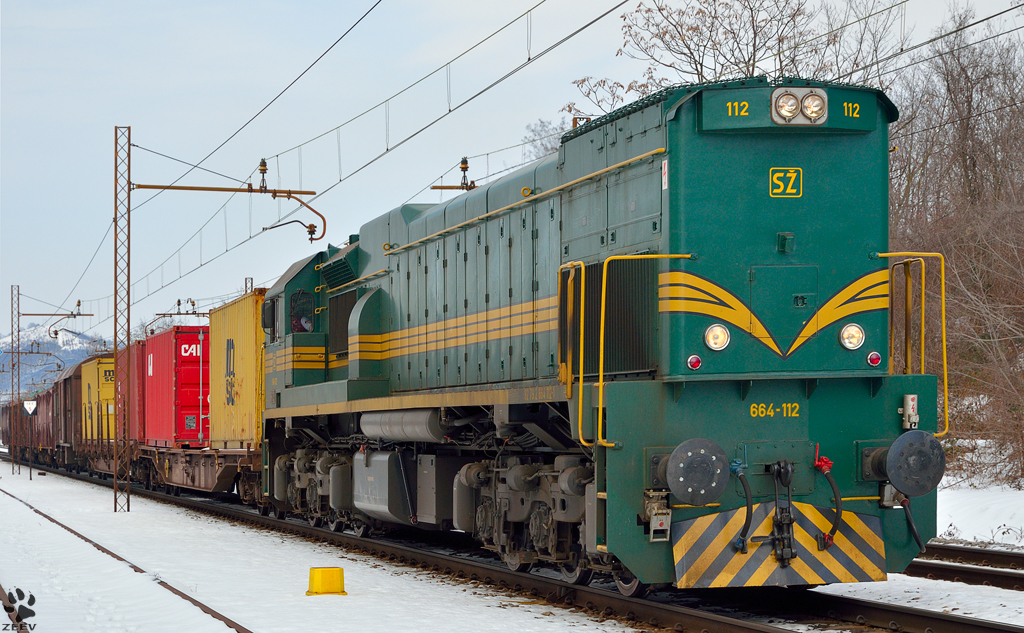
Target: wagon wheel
point(514, 560)
point(576, 572)
point(335, 523)
point(629, 585)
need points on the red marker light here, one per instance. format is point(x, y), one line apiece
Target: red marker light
point(874, 358)
point(693, 362)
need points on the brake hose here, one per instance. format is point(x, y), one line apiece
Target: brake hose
point(741, 543)
point(913, 526)
point(824, 464)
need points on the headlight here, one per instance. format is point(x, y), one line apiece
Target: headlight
point(852, 336)
point(814, 106)
point(716, 337)
point(787, 106)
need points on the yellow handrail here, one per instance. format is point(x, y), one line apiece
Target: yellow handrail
point(600, 363)
point(569, 378)
point(909, 365)
point(942, 280)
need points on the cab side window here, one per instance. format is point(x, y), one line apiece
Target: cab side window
point(300, 312)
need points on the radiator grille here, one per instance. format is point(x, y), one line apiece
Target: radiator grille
point(631, 323)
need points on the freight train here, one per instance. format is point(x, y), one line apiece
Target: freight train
point(662, 354)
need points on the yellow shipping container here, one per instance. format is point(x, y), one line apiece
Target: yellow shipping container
point(98, 399)
point(236, 373)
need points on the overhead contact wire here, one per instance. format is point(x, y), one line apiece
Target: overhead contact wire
point(418, 81)
point(246, 124)
point(468, 100)
point(263, 109)
point(926, 42)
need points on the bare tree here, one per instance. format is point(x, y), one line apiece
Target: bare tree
point(958, 189)
point(708, 40)
point(543, 137)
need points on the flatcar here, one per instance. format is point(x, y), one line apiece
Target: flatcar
point(661, 354)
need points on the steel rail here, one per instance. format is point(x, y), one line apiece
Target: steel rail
point(967, 573)
point(896, 617)
point(610, 603)
point(184, 596)
point(968, 555)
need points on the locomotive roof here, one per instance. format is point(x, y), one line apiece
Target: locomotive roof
point(293, 270)
point(745, 82)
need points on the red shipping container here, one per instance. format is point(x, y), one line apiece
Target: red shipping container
point(177, 385)
point(137, 402)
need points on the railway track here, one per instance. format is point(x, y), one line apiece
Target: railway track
point(971, 565)
point(661, 609)
point(184, 596)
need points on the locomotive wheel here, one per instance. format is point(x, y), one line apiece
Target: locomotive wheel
point(263, 509)
point(630, 586)
point(514, 561)
point(280, 514)
point(576, 574)
point(314, 520)
point(337, 525)
point(362, 530)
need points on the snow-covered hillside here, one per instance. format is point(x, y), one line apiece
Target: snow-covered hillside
point(40, 370)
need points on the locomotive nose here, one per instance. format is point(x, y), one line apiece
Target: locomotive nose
point(914, 463)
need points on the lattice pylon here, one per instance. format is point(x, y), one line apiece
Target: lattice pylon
point(15, 410)
point(122, 317)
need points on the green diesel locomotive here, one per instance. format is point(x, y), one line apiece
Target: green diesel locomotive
point(663, 353)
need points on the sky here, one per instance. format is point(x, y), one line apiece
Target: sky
point(186, 76)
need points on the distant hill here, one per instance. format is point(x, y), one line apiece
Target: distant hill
point(39, 371)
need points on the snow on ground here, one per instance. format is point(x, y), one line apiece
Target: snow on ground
point(259, 578)
point(982, 516)
point(989, 515)
point(973, 601)
point(255, 577)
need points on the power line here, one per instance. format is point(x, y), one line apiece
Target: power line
point(41, 301)
point(103, 241)
point(253, 118)
point(493, 151)
point(945, 123)
point(925, 43)
point(246, 124)
point(209, 171)
point(379, 156)
point(415, 83)
point(460, 105)
point(926, 59)
point(447, 65)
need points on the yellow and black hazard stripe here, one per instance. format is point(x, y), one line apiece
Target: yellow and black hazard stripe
point(705, 554)
point(530, 317)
